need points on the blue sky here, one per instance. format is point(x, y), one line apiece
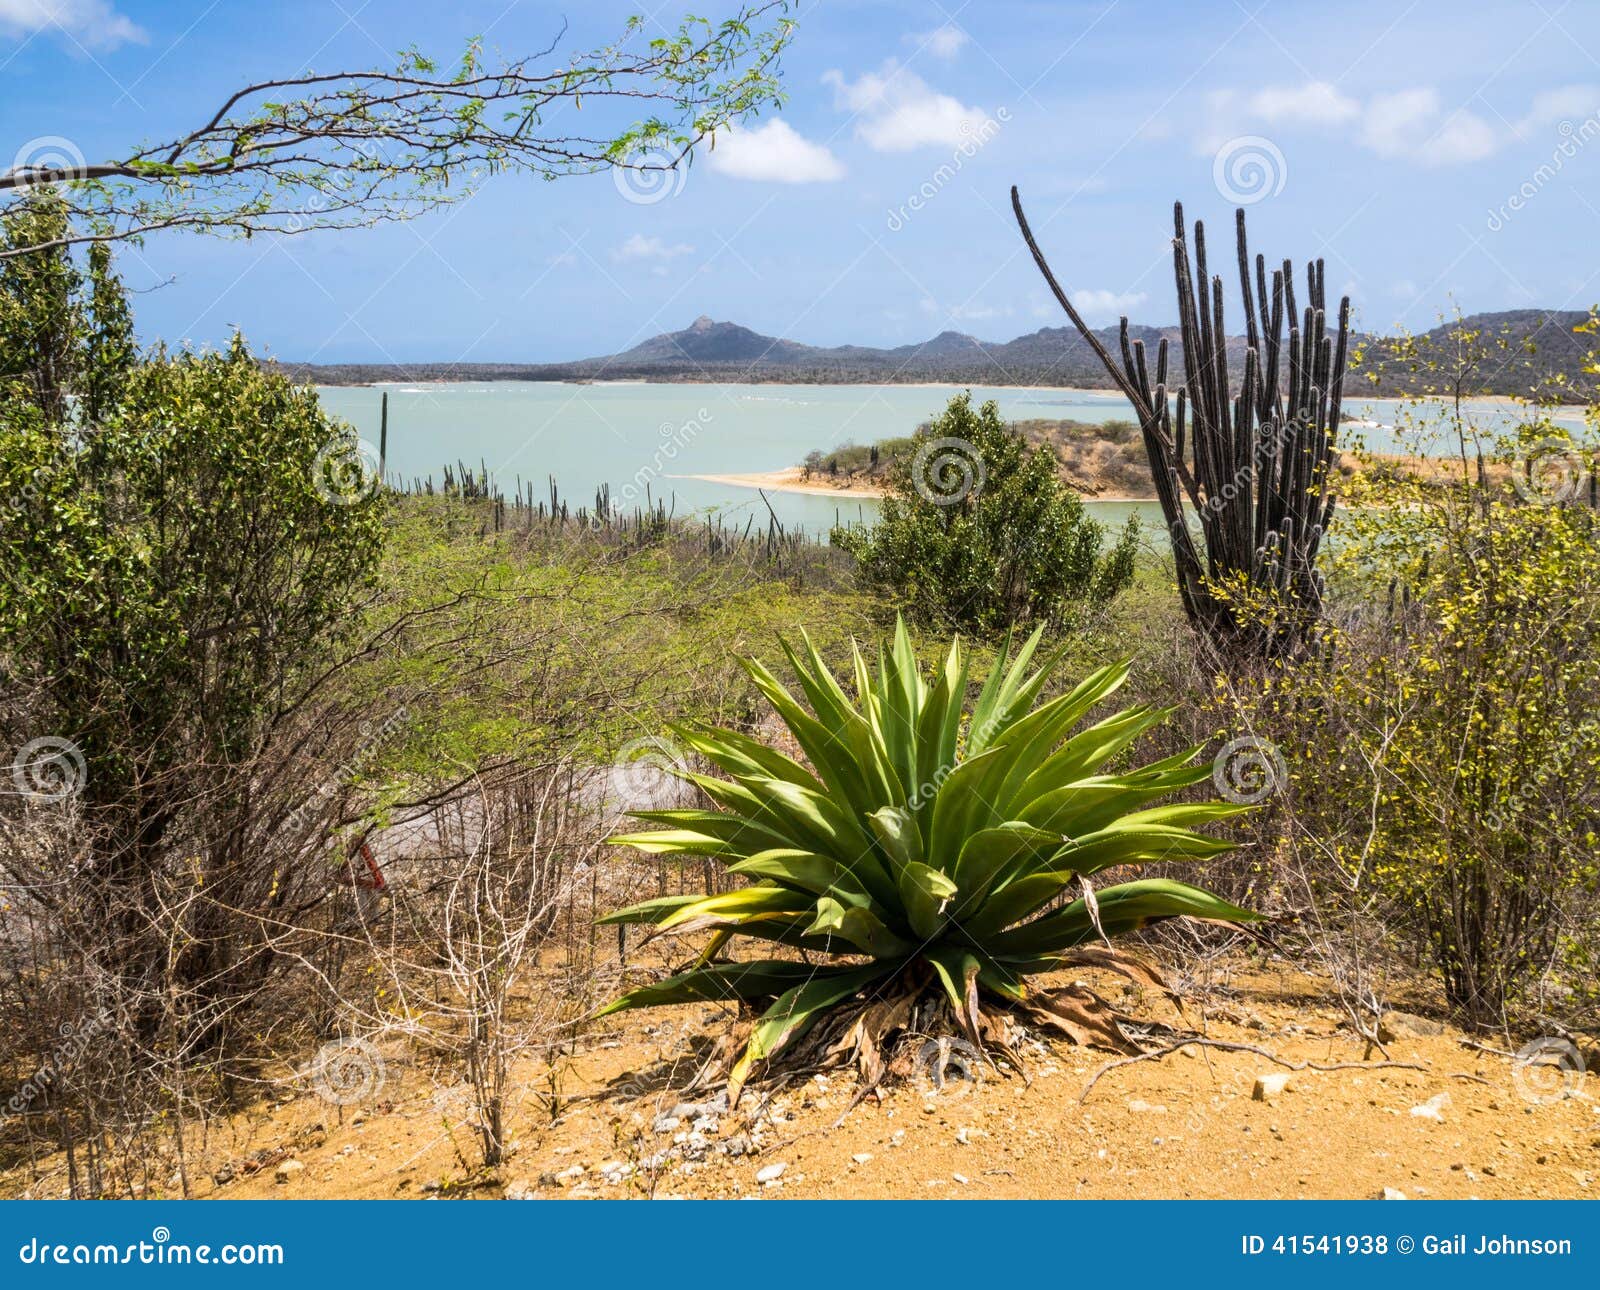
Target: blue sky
point(1431, 152)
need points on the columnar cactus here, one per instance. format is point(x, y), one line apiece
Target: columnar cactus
point(1243, 472)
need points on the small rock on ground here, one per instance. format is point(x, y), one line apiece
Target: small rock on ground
point(1270, 1086)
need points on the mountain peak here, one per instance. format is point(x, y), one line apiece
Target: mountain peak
point(703, 323)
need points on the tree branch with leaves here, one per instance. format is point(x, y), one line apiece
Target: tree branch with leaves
point(356, 148)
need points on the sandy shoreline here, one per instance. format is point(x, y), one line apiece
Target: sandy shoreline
point(792, 479)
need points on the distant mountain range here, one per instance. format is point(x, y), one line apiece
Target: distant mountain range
point(1537, 345)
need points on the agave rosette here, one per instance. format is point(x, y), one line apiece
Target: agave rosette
point(924, 841)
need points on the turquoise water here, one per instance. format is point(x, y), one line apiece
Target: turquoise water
point(636, 436)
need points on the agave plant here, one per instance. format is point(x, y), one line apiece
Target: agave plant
point(926, 848)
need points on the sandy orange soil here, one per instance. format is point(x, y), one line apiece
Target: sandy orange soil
point(1450, 1119)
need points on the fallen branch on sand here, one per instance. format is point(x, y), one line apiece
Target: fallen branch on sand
point(1156, 1054)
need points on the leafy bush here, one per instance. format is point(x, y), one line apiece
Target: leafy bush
point(178, 579)
point(928, 840)
point(978, 530)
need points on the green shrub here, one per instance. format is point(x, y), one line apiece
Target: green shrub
point(978, 531)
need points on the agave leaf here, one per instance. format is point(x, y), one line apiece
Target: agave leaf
point(1042, 729)
point(806, 820)
point(958, 970)
point(899, 836)
point(1141, 844)
point(1083, 1016)
point(860, 926)
point(801, 870)
point(965, 805)
point(832, 755)
point(923, 894)
point(717, 983)
point(794, 1012)
point(740, 905)
point(740, 755)
point(1086, 752)
point(990, 856)
point(708, 833)
point(650, 911)
point(938, 729)
point(1123, 908)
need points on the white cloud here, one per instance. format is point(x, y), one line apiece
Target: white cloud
point(1096, 302)
point(93, 23)
point(1406, 124)
point(941, 42)
point(898, 111)
point(979, 313)
point(1568, 103)
point(1411, 124)
point(1315, 102)
point(639, 247)
point(774, 153)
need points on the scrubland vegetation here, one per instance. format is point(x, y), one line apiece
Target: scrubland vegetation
point(311, 774)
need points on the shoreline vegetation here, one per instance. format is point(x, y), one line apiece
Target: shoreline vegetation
point(1102, 463)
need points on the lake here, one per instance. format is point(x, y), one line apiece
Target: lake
point(637, 435)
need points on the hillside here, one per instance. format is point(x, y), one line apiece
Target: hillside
point(1538, 344)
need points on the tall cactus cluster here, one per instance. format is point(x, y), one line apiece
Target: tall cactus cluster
point(1243, 471)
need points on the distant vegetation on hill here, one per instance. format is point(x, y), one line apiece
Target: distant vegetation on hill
point(1536, 344)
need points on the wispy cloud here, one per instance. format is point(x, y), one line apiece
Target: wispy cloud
point(942, 42)
point(92, 23)
point(639, 247)
point(1097, 302)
